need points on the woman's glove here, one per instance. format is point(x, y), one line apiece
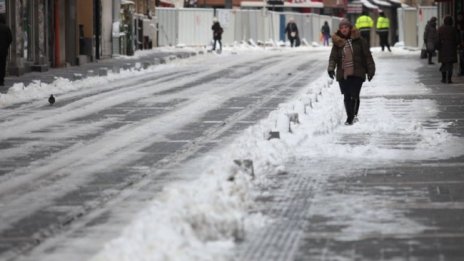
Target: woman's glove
point(331, 74)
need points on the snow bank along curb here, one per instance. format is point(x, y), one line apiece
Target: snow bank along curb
point(201, 219)
point(38, 90)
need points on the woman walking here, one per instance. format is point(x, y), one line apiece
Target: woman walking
point(217, 34)
point(448, 41)
point(431, 37)
point(292, 32)
point(325, 30)
point(352, 60)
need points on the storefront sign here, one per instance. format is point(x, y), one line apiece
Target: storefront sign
point(354, 8)
point(2, 7)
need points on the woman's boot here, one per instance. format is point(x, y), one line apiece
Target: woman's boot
point(450, 73)
point(356, 109)
point(349, 108)
point(443, 77)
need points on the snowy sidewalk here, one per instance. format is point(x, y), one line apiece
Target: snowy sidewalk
point(391, 187)
point(141, 59)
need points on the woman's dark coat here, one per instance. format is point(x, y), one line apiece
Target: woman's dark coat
point(217, 31)
point(5, 39)
point(291, 27)
point(448, 40)
point(431, 36)
point(362, 57)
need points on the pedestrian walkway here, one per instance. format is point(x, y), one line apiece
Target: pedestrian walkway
point(98, 68)
point(333, 204)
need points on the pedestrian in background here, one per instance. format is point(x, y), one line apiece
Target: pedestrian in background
point(364, 24)
point(352, 60)
point(5, 41)
point(292, 32)
point(383, 25)
point(217, 34)
point(325, 30)
point(431, 37)
point(448, 41)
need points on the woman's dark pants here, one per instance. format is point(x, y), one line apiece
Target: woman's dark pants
point(351, 88)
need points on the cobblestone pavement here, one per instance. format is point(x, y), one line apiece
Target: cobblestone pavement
point(400, 210)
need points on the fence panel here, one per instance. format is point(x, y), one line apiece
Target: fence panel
point(241, 28)
point(227, 19)
point(275, 30)
point(167, 26)
point(409, 26)
point(195, 26)
point(427, 13)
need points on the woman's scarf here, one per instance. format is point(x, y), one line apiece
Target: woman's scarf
point(347, 59)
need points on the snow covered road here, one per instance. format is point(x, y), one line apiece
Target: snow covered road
point(66, 164)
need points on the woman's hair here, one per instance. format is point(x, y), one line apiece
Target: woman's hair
point(448, 20)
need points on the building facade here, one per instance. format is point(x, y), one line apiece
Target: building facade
point(59, 33)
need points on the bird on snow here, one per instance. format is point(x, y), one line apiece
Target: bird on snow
point(51, 99)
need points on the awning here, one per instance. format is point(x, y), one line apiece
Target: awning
point(307, 4)
point(381, 3)
point(166, 3)
point(127, 2)
point(369, 5)
point(395, 2)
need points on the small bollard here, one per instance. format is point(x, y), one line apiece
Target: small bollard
point(273, 135)
point(138, 66)
point(247, 166)
point(156, 61)
point(163, 60)
point(90, 73)
point(293, 117)
point(78, 76)
point(127, 66)
point(103, 71)
point(145, 65)
point(116, 69)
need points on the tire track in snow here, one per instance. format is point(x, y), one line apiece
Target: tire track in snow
point(72, 158)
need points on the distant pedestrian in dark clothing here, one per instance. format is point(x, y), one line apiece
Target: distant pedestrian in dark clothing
point(325, 30)
point(431, 37)
point(448, 41)
point(350, 61)
point(292, 32)
point(5, 41)
point(217, 33)
point(383, 25)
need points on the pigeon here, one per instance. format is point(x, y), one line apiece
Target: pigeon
point(51, 99)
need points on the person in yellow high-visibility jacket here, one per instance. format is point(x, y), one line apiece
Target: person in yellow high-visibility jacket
point(383, 25)
point(364, 24)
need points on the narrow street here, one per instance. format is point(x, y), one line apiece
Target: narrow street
point(69, 165)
